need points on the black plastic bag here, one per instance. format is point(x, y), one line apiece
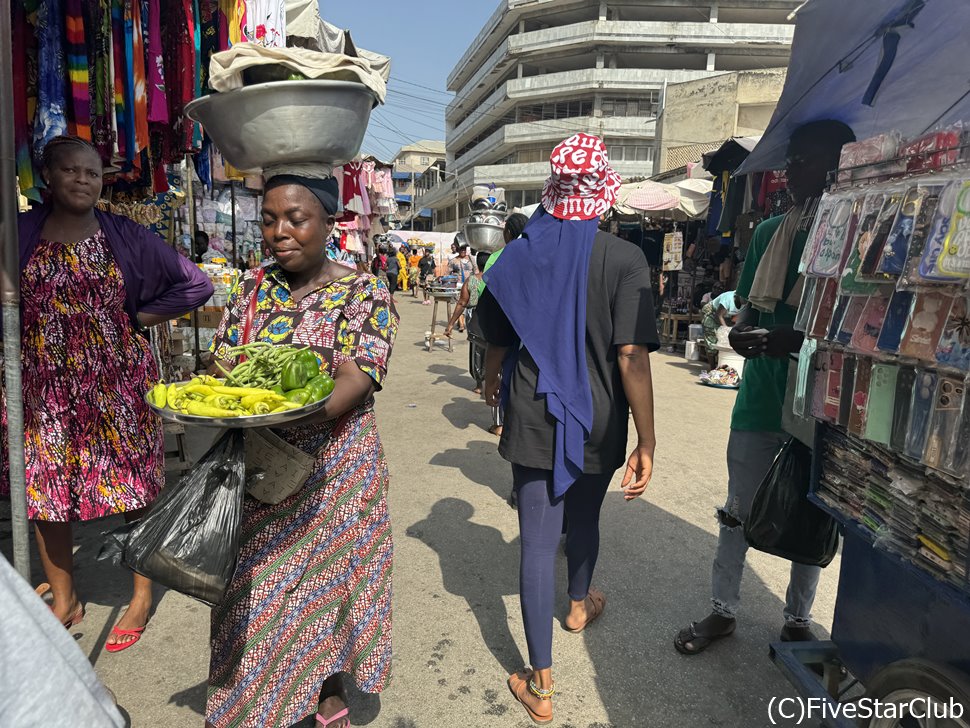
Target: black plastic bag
point(189, 539)
point(783, 522)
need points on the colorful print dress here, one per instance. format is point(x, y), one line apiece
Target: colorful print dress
point(311, 595)
point(92, 445)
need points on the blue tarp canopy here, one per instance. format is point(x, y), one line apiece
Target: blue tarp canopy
point(876, 65)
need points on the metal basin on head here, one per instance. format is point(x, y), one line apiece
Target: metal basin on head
point(484, 237)
point(287, 122)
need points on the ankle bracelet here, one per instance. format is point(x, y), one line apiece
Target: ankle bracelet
point(539, 693)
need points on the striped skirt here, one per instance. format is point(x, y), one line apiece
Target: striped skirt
point(311, 595)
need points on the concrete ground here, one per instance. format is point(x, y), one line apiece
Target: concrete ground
point(457, 626)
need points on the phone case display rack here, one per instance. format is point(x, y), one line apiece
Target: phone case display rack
point(884, 367)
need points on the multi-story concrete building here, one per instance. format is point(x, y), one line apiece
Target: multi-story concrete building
point(410, 165)
point(541, 70)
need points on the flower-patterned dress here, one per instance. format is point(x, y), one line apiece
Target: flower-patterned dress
point(92, 445)
point(311, 595)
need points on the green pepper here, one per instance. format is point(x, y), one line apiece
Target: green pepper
point(320, 387)
point(294, 376)
point(299, 396)
point(277, 390)
point(310, 363)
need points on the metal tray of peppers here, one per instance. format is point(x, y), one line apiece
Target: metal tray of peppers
point(270, 386)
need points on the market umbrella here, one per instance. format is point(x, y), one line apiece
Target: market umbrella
point(649, 196)
point(695, 197)
point(876, 65)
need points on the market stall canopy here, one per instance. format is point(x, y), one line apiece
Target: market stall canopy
point(729, 156)
point(876, 65)
point(648, 196)
point(695, 196)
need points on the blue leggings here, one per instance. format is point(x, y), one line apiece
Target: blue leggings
point(540, 526)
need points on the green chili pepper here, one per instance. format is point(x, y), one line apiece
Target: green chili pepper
point(310, 363)
point(294, 376)
point(277, 389)
point(299, 396)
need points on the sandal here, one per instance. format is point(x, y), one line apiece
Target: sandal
point(75, 619)
point(119, 646)
point(519, 685)
point(338, 716)
point(698, 642)
point(599, 604)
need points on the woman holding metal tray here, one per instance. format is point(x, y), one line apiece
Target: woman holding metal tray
point(311, 596)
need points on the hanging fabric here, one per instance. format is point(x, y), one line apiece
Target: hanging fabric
point(77, 69)
point(50, 120)
point(140, 108)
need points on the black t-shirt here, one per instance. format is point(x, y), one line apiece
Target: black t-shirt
point(426, 266)
point(619, 310)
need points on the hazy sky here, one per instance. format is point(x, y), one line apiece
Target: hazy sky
point(424, 39)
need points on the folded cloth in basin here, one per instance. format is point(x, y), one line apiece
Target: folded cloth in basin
point(226, 67)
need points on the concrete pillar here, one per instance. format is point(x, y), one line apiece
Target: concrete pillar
point(597, 106)
point(613, 63)
point(604, 10)
point(521, 71)
point(710, 61)
point(600, 61)
point(714, 10)
point(521, 26)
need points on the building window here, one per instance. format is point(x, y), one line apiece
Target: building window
point(630, 151)
point(647, 105)
point(425, 161)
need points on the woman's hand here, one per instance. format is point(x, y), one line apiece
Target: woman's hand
point(639, 471)
point(448, 329)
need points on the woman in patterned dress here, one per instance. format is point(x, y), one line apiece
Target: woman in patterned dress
point(311, 596)
point(90, 282)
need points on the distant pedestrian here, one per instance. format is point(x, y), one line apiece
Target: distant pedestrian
point(576, 351)
point(427, 269)
point(393, 269)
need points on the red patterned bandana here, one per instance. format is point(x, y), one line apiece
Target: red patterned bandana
point(583, 185)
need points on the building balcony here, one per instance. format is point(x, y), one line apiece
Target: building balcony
point(506, 139)
point(630, 36)
point(586, 82)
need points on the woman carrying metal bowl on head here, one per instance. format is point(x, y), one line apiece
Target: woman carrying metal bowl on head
point(311, 596)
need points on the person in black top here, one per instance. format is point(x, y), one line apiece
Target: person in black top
point(568, 315)
point(426, 268)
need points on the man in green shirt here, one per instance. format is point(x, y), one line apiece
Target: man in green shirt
point(765, 336)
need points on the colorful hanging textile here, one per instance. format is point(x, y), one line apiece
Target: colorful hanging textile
point(265, 23)
point(51, 119)
point(98, 31)
point(140, 108)
point(117, 76)
point(22, 37)
point(157, 102)
point(77, 69)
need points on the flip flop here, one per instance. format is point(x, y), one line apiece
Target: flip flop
point(43, 590)
point(339, 715)
point(518, 683)
point(599, 604)
point(119, 646)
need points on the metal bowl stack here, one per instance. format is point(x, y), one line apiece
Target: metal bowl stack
point(485, 228)
point(287, 122)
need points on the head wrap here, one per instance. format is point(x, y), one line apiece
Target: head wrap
point(325, 190)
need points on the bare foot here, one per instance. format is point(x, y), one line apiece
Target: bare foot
point(329, 708)
point(135, 617)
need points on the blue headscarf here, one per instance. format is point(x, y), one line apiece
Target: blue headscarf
point(540, 282)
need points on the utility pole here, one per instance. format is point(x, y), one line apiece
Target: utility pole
point(414, 200)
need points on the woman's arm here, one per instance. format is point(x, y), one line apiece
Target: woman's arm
point(459, 308)
point(634, 362)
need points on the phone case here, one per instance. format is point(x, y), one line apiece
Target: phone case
point(945, 421)
point(821, 385)
point(838, 316)
point(893, 260)
point(833, 390)
point(817, 232)
point(806, 367)
point(860, 397)
point(897, 314)
point(826, 305)
point(882, 399)
point(853, 314)
point(928, 266)
point(957, 454)
point(924, 395)
point(850, 282)
point(867, 331)
point(903, 400)
point(925, 327)
point(955, 258)
point(922, 228)
point(845, 389)
point(954, 347)
point(868, 270)
point(811, 294)
point(829, 255)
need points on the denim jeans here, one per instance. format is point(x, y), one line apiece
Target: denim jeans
point(749, 457)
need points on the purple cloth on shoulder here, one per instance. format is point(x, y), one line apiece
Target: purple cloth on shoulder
point(157, 279)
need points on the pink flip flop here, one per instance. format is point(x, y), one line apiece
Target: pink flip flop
point(334, 718)
point(119, 646)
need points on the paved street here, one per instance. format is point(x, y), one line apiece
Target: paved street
point(457, 626)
